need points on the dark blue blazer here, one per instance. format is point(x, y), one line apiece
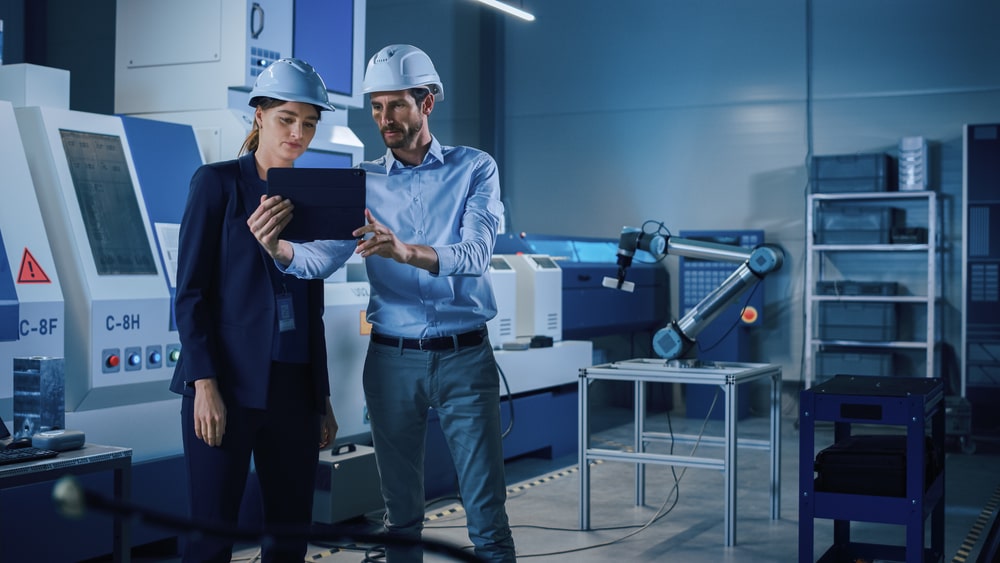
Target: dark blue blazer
point(225, 302)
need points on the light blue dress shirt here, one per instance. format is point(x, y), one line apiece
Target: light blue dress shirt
point(450, 202)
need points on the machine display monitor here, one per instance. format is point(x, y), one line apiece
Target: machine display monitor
point(324, 159)
point(498, 263)
point(545, 262)
point(574, 249)
point(108, 205)
point(330, 34)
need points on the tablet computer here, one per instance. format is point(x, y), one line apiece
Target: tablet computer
point(329, 202)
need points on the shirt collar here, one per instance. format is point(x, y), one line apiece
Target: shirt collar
point(435, 153)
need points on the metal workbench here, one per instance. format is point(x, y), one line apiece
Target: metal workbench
point(728, 376)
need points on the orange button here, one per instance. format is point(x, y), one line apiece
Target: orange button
point(749, 315)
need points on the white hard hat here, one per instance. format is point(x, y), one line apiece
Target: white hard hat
point(401, 67)
point(291, 80)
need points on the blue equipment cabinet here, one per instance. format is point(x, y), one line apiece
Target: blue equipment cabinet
point(164, 175)
point(917, 405)
point(9, 307)
point(980, 352)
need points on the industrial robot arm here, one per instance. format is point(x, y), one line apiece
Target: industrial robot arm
point(676, 339)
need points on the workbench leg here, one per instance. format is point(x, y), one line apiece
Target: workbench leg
point(638, 442)
point(776, 446)
point(807, 444)
point(584, 443)
point(729, 463)
point(122, 549)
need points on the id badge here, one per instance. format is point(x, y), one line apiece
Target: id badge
point(286, 313)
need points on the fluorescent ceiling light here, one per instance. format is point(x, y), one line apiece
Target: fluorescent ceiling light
point(507, 8)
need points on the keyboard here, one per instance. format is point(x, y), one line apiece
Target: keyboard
point(21, 455)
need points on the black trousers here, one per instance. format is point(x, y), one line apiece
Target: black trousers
point(283, 442)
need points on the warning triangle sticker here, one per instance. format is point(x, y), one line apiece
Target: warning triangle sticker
point(31, 272)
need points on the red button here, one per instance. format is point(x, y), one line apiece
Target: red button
point(112, 361)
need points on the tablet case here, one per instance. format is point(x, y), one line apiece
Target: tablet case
point(329, 202)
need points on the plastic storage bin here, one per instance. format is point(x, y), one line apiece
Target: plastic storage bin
point(856, 288)
point(857, 321)
point(856, 224)
point(862, 172)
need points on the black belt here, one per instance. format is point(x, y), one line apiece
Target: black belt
point(471, 338)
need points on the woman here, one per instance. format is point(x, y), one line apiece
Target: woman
point(253, 369)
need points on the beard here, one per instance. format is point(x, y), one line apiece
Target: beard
point(406, 140)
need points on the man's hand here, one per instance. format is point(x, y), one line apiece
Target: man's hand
point(383, 242)
point(209, 412)
point(266, 224)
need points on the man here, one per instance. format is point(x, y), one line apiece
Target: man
point(427, 245)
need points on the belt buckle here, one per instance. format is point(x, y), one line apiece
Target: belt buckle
point(420, 344)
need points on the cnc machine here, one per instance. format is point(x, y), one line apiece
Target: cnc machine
point(117, 303)
point(32, 318)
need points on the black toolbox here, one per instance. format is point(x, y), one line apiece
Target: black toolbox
point(870, 465)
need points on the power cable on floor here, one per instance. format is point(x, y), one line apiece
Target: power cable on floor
point(510, 402)
point(673, 495)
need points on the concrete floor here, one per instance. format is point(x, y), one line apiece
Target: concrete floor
point(685, 524)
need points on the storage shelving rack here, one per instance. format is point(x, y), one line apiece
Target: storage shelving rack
point(913, 265)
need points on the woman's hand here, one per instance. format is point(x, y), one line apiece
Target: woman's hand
point(266, 224)
point(328, 426)
point(209, 412)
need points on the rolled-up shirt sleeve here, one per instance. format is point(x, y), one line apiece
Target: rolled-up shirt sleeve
point(480, 222)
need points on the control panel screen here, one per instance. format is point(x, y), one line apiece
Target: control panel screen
point(498, 263)
point(323, 159)
point(110, 209)
point(544, 262)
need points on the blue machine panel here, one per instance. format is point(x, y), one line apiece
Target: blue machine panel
point(324, 36)
point(165, 156)
point(9, 307)
point(700, 277)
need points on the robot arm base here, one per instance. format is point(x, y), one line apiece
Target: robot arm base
point(670, 343)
